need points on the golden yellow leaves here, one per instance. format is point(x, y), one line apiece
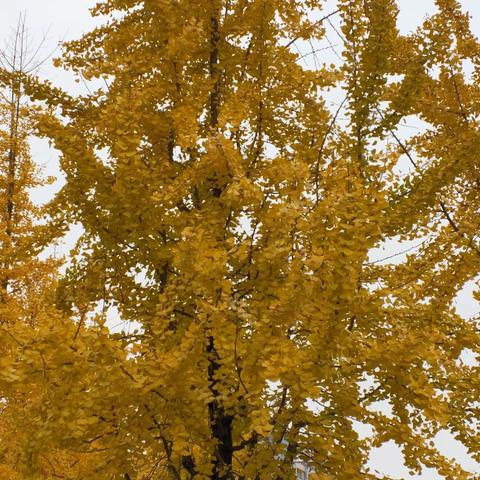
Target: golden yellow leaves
point(241, 249)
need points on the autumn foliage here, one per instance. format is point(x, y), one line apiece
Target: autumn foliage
point(229, 213)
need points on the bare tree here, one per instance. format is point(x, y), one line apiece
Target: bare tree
point(20, 56)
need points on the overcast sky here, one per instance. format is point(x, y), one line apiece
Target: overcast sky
point(68, 19)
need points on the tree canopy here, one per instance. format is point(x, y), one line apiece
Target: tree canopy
point(229, 214)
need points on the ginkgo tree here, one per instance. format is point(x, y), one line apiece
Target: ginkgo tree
point(27, 281)
point(30, 324)
point(229, 215)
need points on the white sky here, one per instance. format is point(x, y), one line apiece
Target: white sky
point(68, 19)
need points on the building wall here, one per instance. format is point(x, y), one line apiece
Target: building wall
point(301, 471)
